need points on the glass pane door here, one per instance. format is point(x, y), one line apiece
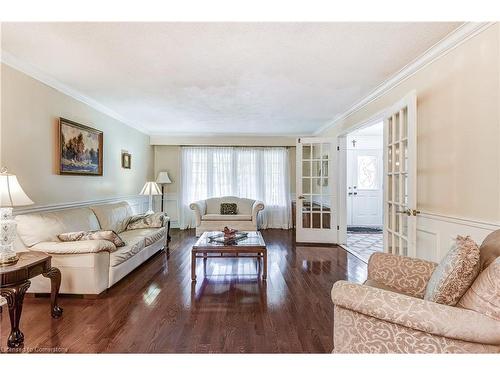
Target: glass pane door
point(315, 200)
point(400, 179)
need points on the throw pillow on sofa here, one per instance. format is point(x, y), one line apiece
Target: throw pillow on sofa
point(455, 273)
point(228, 209)
point(490, 249)
point(107, 235)
point(484, 294)
point(143, 221)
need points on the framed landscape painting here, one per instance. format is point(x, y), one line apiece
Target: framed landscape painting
point(80, 149)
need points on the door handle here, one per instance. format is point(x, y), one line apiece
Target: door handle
point(300, 197)
point(407, 211)
point(349, 193)
point(355, 193)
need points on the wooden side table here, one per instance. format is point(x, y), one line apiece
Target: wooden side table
point(14, 282)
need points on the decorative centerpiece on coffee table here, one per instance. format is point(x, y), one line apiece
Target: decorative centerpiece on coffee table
point(228, 236)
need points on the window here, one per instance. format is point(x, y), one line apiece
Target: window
point(247, 172)
point(367, 172)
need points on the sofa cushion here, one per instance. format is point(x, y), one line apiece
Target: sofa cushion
point(113, 216)
point(455, 273)
point(218, 217)
point(490, 249)
point(74, 247)
point(244, 204)
point(107, 235)
point(45, 227)
point(484, 294)
point(134, 242)
point(154, 220)
point(151, 235)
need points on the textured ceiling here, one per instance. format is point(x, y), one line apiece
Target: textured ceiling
point(260, 78)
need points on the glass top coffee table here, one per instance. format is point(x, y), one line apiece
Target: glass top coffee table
point(253, 246)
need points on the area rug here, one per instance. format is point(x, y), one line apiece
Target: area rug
point(364, 230)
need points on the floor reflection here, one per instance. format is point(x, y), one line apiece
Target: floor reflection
point(317, 260)
point(229, 293)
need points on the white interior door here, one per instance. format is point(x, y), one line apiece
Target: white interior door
point(365, 191)
point(316, 216)
point(400, 177)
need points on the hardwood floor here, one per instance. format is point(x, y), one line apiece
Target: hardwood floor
point(157, 309)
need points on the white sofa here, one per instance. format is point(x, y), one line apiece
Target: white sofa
point(89, 267)
point(208, 216)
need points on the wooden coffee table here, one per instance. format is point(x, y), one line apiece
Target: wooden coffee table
point(251, 247)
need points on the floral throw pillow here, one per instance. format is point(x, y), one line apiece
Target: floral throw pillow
point(228, 208)
point(143, 221)
point(455, 274)
point(107, 235)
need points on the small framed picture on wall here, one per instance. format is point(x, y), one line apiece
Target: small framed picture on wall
point(126, 160)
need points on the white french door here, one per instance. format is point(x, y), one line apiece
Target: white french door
point(400, 177)
point(316, 203)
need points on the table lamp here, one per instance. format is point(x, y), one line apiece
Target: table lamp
point(163, 179)
point(11, 195)
point(150, 188)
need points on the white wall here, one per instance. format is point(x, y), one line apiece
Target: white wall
point(458, 136)
point(30, 112)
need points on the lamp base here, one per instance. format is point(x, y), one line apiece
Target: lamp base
point(7, 236)
point(8, 259)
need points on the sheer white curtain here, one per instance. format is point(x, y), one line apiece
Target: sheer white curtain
point(248, 172)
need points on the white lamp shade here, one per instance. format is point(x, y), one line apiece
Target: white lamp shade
point(11, 193)
point(150, 188)
point(163, 178)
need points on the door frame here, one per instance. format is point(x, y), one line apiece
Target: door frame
point(342, 171)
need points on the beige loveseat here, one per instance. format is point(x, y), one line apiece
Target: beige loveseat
point(88, 267)
point(389, 315)
point(208, 217)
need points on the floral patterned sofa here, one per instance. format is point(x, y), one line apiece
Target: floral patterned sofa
point(389, 315)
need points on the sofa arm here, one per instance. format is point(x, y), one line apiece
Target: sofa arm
point(74, 247)
point(166, 221)
point(257, 206)
point(200, 209)
point(414, 313)
point(407, 275)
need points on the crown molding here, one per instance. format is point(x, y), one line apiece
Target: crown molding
point(226, 135)
point(438, 50)
point(220, 139)
point(35, 73)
